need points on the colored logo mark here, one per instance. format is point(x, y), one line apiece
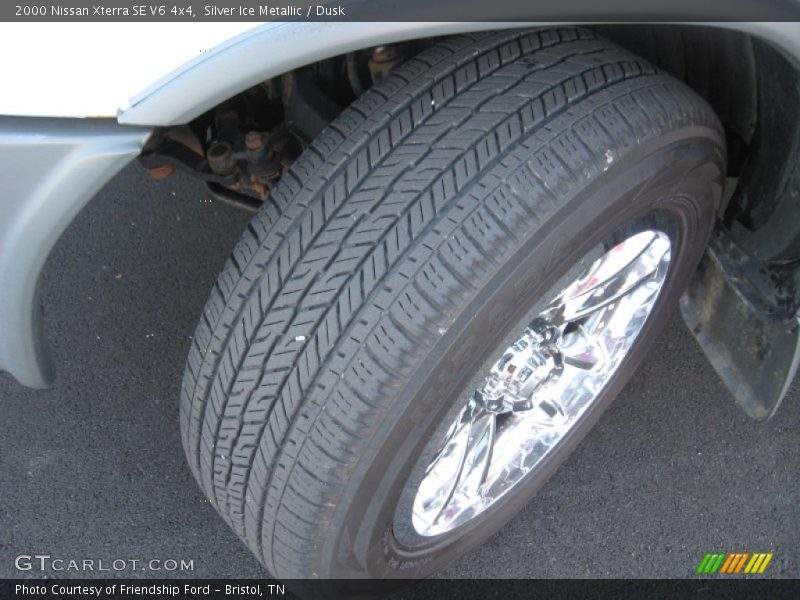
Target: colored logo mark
point(735, 562)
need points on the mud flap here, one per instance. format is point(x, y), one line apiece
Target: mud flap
point(735, 307)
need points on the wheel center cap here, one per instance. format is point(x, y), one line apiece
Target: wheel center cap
point(526, 366)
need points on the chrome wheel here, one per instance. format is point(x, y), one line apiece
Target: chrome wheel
point(542, 383)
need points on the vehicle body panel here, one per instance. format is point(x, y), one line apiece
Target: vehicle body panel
point(184, 94)
point(183, 69)
point(93, 69)
point(50, 170)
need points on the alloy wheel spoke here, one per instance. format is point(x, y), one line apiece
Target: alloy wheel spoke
point(615, 275)
point(581, 350)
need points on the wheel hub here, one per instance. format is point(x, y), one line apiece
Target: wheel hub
point(536, 392)
point(528, 364)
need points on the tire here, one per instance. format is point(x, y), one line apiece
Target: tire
point(394, 258)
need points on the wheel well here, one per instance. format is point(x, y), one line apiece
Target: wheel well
point(719, 64)
point(732, 70)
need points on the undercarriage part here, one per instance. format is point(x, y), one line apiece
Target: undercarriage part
point(243, 147)
point(383, 60)
point(164, 154)
point(234, 199)
point(308, 108)
point(353, 74)
point(239, 168)
point(220, 158)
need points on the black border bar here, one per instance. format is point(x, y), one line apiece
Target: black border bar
point(399, 10)
point(705, 588)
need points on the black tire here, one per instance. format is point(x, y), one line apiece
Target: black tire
point(393, 258)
